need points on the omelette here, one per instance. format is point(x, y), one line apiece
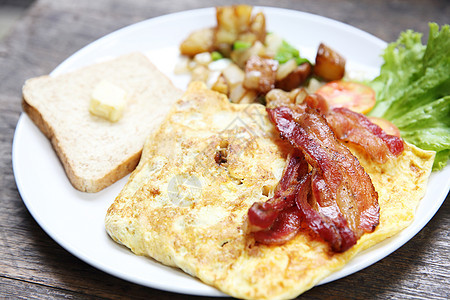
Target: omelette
point(186, 203)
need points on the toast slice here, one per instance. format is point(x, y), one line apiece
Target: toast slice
point(96, 152)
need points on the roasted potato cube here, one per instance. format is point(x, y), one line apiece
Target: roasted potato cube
point(260, 74)
point(314, 85)
point(285, 69)
point(300, 95)
point(240, 57)
point(258, 26)
point(250, 96)
point(235, 23)
point(200, 73)
point(233, 74)
point(247, 37)
point(227, 26)
point(197, 42)
point(329, 64)
point(224, 36)
point(237, 91)
point(221, 85)
point(277, 97)
point(203, 58)
point(243, 15)
point(295, 78)
point(273, 43)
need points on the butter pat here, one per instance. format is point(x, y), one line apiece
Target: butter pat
point(108, 101)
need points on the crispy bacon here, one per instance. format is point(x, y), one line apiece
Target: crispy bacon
point(284, 228)
point(288, 218)
point(343, 196)
point(262, 215)
point(336, 199)
point(318, 102)
point(356, 128)
point(335, 232)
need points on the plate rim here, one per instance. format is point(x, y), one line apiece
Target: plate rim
point(168, 287)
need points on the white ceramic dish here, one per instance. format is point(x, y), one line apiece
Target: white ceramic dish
point(75, 219)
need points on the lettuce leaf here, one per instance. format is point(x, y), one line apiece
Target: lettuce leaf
point(413, 90)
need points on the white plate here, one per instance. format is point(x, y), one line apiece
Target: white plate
point(75, 219)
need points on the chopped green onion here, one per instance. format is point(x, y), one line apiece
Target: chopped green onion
point(215, 55)
point(283, 57)
point(241, 45)
point(287, 52)
point(301, 60)
point(286, 47)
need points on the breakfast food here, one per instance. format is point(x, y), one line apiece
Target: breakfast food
point(187, 203)
point(245, 61)
point(95, 151)
point(108, 101)
point(211, 164)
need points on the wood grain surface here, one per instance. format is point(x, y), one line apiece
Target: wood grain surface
point(33, 266)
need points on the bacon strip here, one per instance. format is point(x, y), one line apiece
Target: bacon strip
point(285, 227)
point(273, 220)
point(342, 192)
point(356, 128)
point(335, 232)
point(336, 200)
point(288, 221)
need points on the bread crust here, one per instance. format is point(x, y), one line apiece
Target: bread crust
point(78, 182)
point(61, 116)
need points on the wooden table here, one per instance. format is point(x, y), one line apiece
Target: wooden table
point(32, 265)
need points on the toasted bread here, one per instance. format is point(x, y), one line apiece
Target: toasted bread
point(96, 152)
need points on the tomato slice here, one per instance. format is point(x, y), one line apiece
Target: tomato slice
point(387, 126)
point(352, 95)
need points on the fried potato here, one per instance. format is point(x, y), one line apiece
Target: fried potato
point(198, 42)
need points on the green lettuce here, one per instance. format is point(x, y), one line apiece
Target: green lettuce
point(413, 90)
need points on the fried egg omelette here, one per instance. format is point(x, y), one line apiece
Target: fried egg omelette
point(186, 203)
